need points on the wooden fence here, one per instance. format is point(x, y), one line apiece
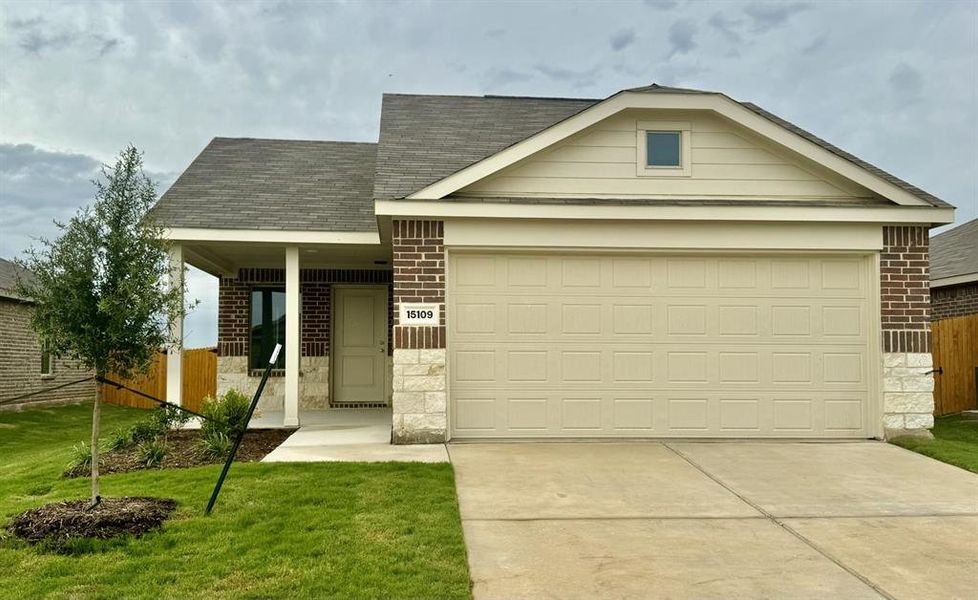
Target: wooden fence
point(199, 381)
point(955, 351)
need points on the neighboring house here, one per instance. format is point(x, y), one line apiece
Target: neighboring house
point(660, 263)
point(25, 365)
point(954, 272)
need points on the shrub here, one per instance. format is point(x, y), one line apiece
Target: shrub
point(167, 417)
point(227, 414)
point(120, 439)
point(216, 445)
point(152, 452)
point(81, 456)
point(144, 431)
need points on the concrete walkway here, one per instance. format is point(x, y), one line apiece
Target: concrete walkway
point(346, 435)
point(715, 520)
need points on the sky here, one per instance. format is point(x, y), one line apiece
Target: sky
point(895, 83)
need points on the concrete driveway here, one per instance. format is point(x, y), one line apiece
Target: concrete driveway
point(715, 520)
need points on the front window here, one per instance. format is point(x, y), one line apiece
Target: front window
point(267, 326)
point(47, 365)
point(663, 148)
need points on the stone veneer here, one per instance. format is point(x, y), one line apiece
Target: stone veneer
point(232, 373)
point(908, 398)
point(419, 401)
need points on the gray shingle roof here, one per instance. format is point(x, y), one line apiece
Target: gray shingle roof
point(243, 183)
point(427, 138)
point(9, 272)
point(955, 252)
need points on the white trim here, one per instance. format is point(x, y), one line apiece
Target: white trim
point(293, 342)
point(267, 236)
point(954, 280)
point(876, 408)
point(621, 211)
point(717, 103)
point(174, 352)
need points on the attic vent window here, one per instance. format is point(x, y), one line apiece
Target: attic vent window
point(663, 148)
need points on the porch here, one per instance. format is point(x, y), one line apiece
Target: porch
point(345, 435)
point(326, 297)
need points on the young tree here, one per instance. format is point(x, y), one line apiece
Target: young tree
point(101, 290)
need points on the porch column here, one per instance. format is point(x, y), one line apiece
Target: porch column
point(174, 353)
point(292, 341)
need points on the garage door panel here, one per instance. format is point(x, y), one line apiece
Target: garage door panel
point(597, 345)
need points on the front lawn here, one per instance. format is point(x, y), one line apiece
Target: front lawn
point(955, 442)
point(329, 530)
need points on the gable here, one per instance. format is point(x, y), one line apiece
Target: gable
point(726, 160)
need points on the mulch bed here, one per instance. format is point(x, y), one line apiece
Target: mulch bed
point(113, 517)
point(183, 449)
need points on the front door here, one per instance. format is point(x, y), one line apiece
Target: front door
point(359, 344)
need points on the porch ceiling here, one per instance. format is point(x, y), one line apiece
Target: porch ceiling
point(225, 258)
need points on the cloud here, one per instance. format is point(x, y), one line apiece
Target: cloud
point(726, 27)
point(681, 37)
point(496, 78)
point(37, 43)
point(575, 78)
point(662, 4)
point(907, 82)
point(622, 39)
point(768, 15)
point(816, 44)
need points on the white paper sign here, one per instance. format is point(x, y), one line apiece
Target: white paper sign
point(416, 313)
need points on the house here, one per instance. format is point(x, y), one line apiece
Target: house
point(954, 272)
point(25, 365)
point(663, 262)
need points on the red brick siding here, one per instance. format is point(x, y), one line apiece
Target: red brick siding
point(954, 301)
point(419, 276)
point(234, 305)
point(905, 289)
point(20, 364)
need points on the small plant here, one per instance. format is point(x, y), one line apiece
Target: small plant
point(216, 445)
point(152, 452)
point(144, 431)
point(81, 456)
point(120, 439)
point(167, 417)
point(227, 414)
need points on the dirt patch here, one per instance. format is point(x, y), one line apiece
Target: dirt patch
point(183, 449)
point(61, 521)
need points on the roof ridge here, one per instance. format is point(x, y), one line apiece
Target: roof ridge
point(303, 141)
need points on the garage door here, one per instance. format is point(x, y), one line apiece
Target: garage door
point(584, 345)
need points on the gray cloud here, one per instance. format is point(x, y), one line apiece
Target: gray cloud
point(726, 27)
point(662, 4)
point(169, 76)
point(622, 39)
point(906, 80)
point(768, 15)
point(681, 37)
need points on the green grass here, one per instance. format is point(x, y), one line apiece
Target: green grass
point(955, 442)
point(329, 530)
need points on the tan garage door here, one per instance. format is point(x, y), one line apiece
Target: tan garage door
point(585, 345)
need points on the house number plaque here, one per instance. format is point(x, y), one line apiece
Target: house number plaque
point(416, 313)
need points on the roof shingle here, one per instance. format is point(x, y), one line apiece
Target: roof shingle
point(243, 183)
point(955, 252)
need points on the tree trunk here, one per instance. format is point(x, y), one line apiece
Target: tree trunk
point(96, 418)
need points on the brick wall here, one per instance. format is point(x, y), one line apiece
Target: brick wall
point(419, 276)
point(234, 305)
point(20, 363)
point(954, 301)
point(905, 289)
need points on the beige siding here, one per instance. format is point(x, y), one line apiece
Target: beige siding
point(728, 161)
